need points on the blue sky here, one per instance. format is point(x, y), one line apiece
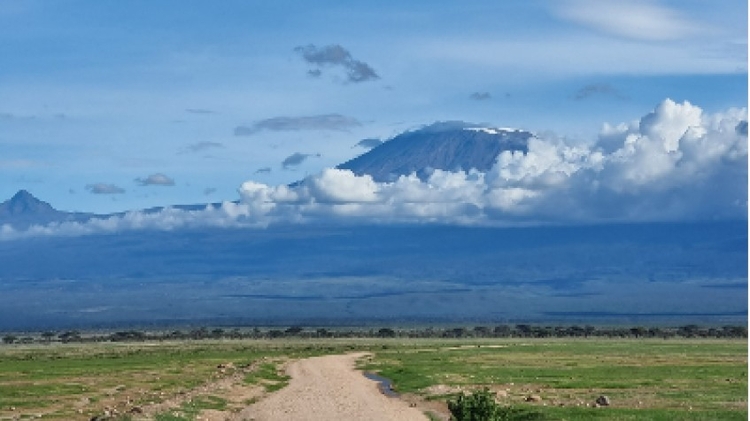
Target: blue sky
point(112, 105)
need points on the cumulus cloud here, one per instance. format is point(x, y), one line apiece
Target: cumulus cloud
point(369, 143)
point(104, 188)
point(635, 19)
point(676, 163)
point(480, 96)
point(157, 179)
point(337, 56)
point(335, 122)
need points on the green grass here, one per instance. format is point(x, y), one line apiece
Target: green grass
point(649, 379)
point(646, 379)
point(53, 379)
point(269, 375)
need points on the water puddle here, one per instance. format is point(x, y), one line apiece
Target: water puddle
point(385, 385)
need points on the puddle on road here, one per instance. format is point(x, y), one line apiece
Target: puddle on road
point(385, 385)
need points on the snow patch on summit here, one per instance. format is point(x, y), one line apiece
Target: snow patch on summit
point(495, 130)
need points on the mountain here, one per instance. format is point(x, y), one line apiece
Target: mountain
point(24, 203)
point(447, 146)
point(24, 209)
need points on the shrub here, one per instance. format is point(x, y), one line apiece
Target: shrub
point(481, 406)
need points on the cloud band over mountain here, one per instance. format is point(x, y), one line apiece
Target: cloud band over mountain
point(676, 163)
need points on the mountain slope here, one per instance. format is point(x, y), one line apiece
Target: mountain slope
point(24, 203)
point(24, 209)
point(447, 146)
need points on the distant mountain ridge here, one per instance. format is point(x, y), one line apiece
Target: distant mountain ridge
point(24, 209)
point(448, 146)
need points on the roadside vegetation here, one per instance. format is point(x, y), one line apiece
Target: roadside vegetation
point(684, 373)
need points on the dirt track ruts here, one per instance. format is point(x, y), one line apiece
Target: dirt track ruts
point(330, 388)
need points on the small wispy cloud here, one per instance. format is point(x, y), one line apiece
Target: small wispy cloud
point(369, 143)
point(480, 96)
point(209, 191)
point(157, 179)
point(202, 146)
point(335, 122)
point(264, 170)
point(17, 164)
point(104, 188)
point(199, 111)
point(296, 159)
point(598, 89)
point(638, 19)
point(337, 56)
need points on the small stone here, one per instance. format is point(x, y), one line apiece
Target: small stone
point(602, 400)
point(533, 398)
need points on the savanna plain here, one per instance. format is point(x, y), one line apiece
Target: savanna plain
point(539, 378)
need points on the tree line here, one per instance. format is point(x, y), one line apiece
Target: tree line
point(498, 331)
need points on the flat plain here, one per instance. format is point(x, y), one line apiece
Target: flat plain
point(556, 379)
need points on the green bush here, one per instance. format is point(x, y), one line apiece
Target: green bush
point(481, 406)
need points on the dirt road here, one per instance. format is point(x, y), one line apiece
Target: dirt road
point(329, 388)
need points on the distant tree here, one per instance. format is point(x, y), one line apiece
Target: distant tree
point(9, 339)
point(70, 336)
point(502, 331)
point(275, 333)
point(457, 332)
point(293, 331)
point(127, 335)
point(48, 335)
point(217, 333)
point(524, 330)
point(588, 330)
point(386, 333)
point(638, 331)
point(201, 333)
point(734, 331)
point(689, 331)
point(481, 331)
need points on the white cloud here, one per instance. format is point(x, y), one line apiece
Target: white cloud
point(674, 164)
point(157, 179)
point(104, 188)
point(636, 19)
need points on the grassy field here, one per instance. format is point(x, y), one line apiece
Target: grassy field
point(644, 379)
